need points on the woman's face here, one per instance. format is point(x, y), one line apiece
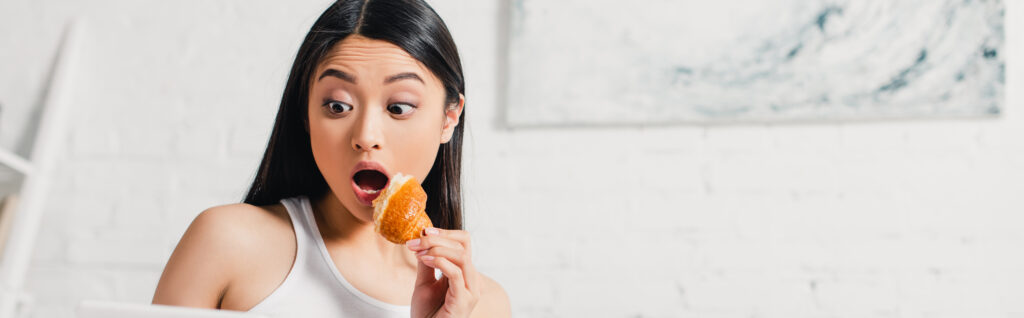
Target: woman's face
point(375, 111)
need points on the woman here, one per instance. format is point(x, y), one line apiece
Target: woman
point(376, 89)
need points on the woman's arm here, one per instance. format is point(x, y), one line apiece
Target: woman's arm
point(199, 270)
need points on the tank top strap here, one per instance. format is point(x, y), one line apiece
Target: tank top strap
point(302, 245)
point(296, 207)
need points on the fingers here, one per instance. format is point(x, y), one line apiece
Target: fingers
point(455, 239)
point(440, 236)
point(456, 256)
point(449, 252)
point(427, 242)
point(462, 297)
point(448, 269)
point(460, 236)
point(451, 245)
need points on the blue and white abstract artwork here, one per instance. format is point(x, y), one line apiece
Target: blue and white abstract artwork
point(594, 62)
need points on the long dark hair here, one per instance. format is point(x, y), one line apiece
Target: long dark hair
point(288, 168)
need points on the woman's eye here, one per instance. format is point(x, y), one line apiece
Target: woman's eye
point(401, 108)
point(337, 108)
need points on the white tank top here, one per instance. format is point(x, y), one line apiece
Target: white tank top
point(314, 287)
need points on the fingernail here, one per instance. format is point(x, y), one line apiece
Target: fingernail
point(420, 253)
point(413, 243)
point(432, 231)
point(427, 258)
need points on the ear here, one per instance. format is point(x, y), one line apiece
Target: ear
point(451, 119)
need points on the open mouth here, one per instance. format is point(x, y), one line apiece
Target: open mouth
point(370, 181)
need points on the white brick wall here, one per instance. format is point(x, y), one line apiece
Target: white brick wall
point(865, 219)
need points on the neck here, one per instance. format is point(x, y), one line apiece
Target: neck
point(340, 227)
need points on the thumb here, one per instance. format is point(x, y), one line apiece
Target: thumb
point(424, 274)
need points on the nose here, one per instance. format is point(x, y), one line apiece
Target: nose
point(367, 133)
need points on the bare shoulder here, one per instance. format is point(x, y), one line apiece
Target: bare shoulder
point(493, 300)
point(235, 228)
point(210, 253)
point(240, 220)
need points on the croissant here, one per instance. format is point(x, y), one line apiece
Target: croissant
point(398, 213)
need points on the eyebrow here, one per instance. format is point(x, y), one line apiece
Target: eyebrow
point(402, 76)
point(339, 74)
point(351, 79)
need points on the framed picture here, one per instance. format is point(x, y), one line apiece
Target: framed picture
point(600, 62)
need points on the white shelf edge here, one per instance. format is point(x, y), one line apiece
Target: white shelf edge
point(17, 254)
point(15, 161)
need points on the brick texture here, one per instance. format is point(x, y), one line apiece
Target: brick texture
point(175, 99)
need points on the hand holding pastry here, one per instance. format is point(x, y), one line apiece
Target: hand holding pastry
point(457, 292)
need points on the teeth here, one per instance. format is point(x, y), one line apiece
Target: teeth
point(371, 191)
